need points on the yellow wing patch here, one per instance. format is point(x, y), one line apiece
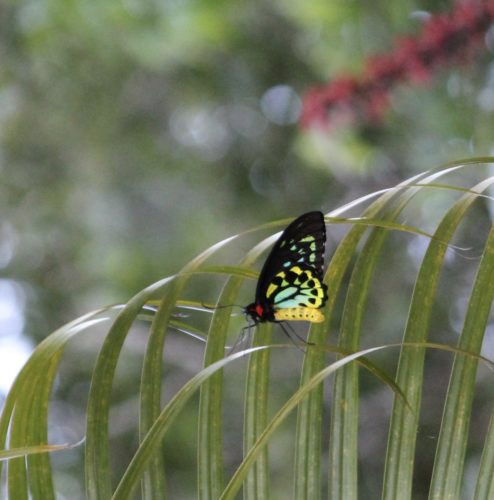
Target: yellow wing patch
point(296, 288)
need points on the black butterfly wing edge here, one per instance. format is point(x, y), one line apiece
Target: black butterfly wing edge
point(308, 224)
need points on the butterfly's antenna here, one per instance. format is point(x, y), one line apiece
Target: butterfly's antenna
point(213, 308)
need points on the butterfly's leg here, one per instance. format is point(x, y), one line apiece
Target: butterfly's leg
point(241, 338)
point(292, 330)
point(290, 335)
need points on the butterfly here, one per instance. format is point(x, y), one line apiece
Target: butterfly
point(290, 285)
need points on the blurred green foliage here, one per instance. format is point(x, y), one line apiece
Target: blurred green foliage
point(130, 128)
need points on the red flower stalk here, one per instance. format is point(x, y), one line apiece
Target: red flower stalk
point(445, 39)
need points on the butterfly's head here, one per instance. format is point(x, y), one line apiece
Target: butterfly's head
point(254, 311)
point(258, 313)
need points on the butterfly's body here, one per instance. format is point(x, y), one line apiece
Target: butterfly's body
point(290, 285)
point(299, 314)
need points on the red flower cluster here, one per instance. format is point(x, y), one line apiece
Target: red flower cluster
point(450, 38)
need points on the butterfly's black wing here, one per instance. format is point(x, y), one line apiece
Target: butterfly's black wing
point(292, 274)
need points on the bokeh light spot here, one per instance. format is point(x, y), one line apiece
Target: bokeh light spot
point(281, 105)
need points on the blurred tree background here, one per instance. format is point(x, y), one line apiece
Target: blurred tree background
point(133, 130)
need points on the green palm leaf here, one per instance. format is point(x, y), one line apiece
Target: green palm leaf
point(351, 275)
